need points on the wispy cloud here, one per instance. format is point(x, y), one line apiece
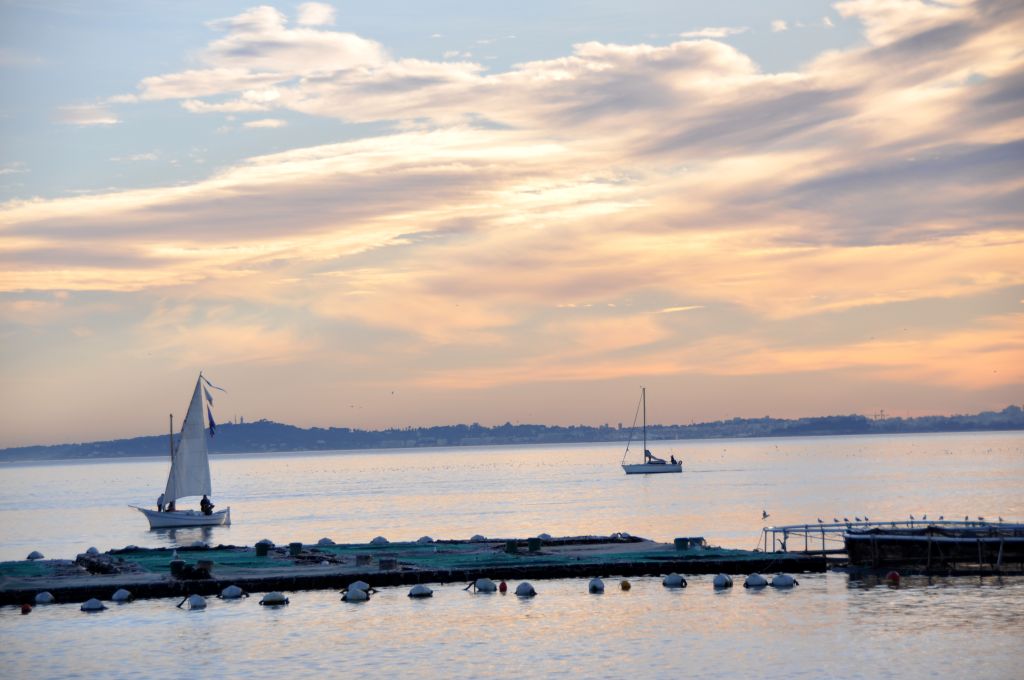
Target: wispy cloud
point(13, 168)
point(266, 123)
point(87, 114)
point(315, 14)
point(715, 32)
point(673, 310)
point(131, 158)
point(779, 25)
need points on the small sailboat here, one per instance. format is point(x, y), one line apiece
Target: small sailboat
point(190, 471)
point(652, 464)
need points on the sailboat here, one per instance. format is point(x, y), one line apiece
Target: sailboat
point(190, 471)
point(652, 464)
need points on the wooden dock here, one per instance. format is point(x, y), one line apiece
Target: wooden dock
point(147, 572)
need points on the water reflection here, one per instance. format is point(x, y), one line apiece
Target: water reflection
point(183, 536)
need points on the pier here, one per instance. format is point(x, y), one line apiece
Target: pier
point(207, 570)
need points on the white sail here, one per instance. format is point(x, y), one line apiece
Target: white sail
point(190, 466)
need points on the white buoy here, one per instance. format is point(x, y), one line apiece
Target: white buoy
point(195, 602)
point(420, 590)
point(34, 555)
point(232, 593)
point(544, 537)
point(784, 581)
point(274, 599)
point(484, 585)
point(596, 586)
point(355, 596)
point(92, 551)
point(424, 539)
point(379, 540)
point(359, 585)
point(477, 538)
point(755, 581)
point(265, 541)
point(524, 589)
point(723, 581)
point(121, 595)
point(93, 605)
point(325, 541)
point(673, 580)
point(45, 597)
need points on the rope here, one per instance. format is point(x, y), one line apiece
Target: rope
point(632, 429)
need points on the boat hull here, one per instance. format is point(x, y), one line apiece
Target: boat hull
point(652, 468)
point(185, 518)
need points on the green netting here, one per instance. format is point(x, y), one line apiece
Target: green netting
point(26, 569)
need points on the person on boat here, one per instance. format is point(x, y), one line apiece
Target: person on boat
point(160, 503)
point(170, 507)
point(206, 506)
point(673, 459)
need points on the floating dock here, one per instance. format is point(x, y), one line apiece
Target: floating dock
point(207, 570)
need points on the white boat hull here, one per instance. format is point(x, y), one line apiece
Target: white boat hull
point(652, 468)
point(185, 518)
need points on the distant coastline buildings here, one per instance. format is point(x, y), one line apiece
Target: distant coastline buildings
point(267, 436)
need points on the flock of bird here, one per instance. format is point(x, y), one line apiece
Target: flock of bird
point(846, 520)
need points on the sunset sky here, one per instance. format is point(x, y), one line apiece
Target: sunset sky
point(411, 213)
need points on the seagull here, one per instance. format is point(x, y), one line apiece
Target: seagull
point(856, 518)
point(835, 520)
point(924, 516)
point(980, 518)
point(820, 522)
point(846, 519)
point(965, 518)
point(764, 514)
point(1000, 519)
point(866, 518)
point(942, 517)
point(911, 518)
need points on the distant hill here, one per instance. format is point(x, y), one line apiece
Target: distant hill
point(268, 436)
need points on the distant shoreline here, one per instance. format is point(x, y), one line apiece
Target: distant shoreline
point(265, 436)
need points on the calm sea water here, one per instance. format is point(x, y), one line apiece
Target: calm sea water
point(829, 626)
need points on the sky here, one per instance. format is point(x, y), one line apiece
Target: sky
point(408, 213)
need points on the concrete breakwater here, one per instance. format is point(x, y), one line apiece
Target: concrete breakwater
point(207, 570)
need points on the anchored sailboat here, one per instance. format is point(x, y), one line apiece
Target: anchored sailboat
point(190, 472)
point(652, 464)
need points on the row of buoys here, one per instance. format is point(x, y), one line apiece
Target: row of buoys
point(360, 591)
point(778, 581)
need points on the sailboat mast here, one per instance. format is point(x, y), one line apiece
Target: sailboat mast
point(643, 394)
point(170, 436)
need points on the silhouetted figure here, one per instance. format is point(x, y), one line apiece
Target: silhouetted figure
point(206, 506)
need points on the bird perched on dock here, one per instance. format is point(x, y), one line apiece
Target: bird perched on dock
point(846, 519)
point(819, 521)
point(856, 518)
point(965, 518)
point(866, 518)
point(835, 520)
point(911, 518)
point(924, 516)
point(981, 519)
